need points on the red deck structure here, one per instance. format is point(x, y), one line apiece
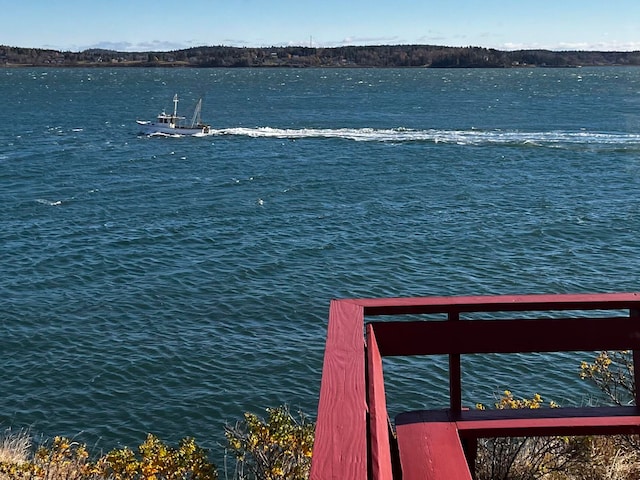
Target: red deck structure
point(354, 437)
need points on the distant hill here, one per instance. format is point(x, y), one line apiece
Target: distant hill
point(350, 56)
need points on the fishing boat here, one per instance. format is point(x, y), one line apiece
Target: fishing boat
point(172, 124)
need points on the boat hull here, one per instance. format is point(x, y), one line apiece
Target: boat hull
point(151, 128)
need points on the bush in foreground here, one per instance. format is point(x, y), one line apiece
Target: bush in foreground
point(279, 447)
point(568, 458)
point(527, 458)
point(63, 459)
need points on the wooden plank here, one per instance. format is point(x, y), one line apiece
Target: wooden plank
point(549, 422)
point(380, 447)
point(431, 451)
point(499, 303)
point(340, 448)
point(507, 336)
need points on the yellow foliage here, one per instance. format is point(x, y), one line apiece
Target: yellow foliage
point(67, 460)
point(277, 448)
point(508, 401)
point(612, 372)
point(157, 460)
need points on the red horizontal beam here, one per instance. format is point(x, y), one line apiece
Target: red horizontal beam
point(550, 421)
point(506, 336)
point(498, 303)
point(530, 422)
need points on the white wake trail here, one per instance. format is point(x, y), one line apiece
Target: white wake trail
point(459, 137)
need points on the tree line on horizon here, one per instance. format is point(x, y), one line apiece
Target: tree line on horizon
point(348, 56)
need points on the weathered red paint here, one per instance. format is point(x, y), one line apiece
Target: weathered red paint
point(430, 448)
point(378, 418)
point(352, 440)
point(341, 441)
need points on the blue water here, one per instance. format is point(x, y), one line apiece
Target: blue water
point(168, 284)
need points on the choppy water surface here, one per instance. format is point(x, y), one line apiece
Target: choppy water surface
point(166, 285)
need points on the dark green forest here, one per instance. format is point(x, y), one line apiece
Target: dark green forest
point(349, 56)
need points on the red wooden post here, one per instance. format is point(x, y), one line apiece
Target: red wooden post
point(378, 418)
point(340, 448)
point(455, 375)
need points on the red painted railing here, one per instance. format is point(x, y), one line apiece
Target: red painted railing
point(354, 437)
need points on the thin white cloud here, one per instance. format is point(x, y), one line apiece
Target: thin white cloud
point(614, 46)
point(148, 46)
point(573, 46)
point(349, 41)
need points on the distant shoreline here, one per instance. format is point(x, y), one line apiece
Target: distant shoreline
point(379, 56)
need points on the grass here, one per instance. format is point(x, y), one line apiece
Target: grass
point(558, 458)
point(15, 447)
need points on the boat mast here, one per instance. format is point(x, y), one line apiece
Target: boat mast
point(196, 120)
point(175, 105)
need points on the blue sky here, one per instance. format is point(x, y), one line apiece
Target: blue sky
point(143, 25)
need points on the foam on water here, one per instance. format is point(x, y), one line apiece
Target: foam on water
point(458, 137)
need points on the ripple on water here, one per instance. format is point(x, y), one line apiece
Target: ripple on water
point(170, 284)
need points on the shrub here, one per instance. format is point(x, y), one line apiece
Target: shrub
point(62, 460)
point(568, 458)
point(67, 460)
point(156, 460)
point(508, 401)
point(525, 458)
point(278, 448)
point(612, 373)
